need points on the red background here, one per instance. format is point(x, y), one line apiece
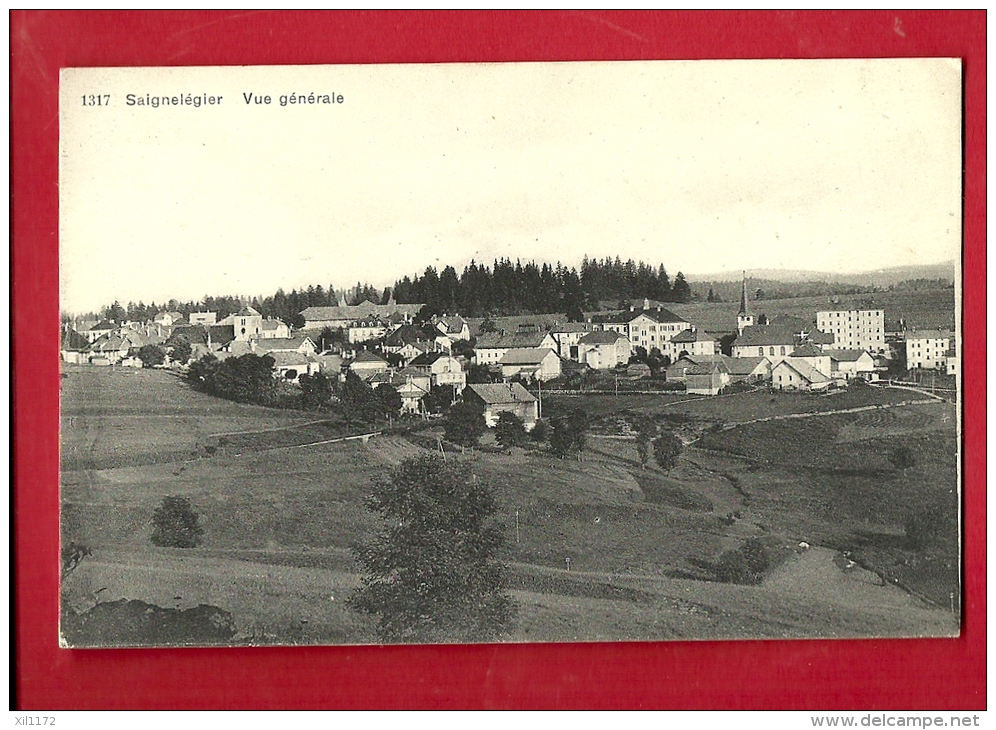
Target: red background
point(734, 675)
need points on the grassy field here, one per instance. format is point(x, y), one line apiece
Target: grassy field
point(929, 309)
point(279, 522)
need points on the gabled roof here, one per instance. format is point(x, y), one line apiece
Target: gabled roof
point(272, 324)
point(657, 314)
point(845, 355)
point(104, 324)
point(247, 311)
point(804, 369)
point(427, 358)
point(492, 340)
point(285, 359)
point(807, 350)
point(404, 335)
point(294, 342)
point(744, 365)
point(601, 337)
point(928, 335)
point(451, 325)
point(320, 314)
point(525, 356)
point(692, 335)
point(706, 368)
point(568, 327)
point(765, 335)
point(499, 393)
point(367, 356)
point(73, 340)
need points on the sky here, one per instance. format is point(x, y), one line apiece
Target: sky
point(703, 166)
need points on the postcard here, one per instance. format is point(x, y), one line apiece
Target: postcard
point(525, 352)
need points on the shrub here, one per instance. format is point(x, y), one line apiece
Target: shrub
point(510, 430)
point(175, 524)
point(902, 458)
point(745, 565)
point(540, 431)
point(667, 449)
point(464, 425)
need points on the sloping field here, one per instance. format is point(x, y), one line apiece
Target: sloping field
point(126, 416)
point(930, 309)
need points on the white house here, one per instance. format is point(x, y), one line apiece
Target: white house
point(797, 374)
point(694, 341)
point(848, 364)
point(814, 357)
point(491, 347)
point(603, 349)
point(203, 317)
point(707, 378)
point(366, 363)
point(567, 336)
point(364, 330)
point(442, 368)
point(647, 328)
point(495, 398)
point(274, 329)
point(928, 349)
point(536, 363)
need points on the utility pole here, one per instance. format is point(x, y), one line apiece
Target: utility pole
point(540, 381)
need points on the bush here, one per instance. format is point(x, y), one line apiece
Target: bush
point(464, 425)
point(745, 565)
point(510, 430)
point(175, 524)
point(902, 458)
point(667, 449)
point(540, 431)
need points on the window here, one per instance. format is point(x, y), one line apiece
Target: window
point(760, 351)
point(771, 351)
point(782, 350)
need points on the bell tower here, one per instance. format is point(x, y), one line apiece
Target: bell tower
point(743, 318)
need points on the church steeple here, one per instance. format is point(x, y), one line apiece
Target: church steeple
point(743, 318)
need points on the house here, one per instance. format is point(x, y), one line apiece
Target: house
point(693, 341)
point(638, 370)
point(292, 365)
point(442, 368)
point(497, 398)
point(366, 363)
point(603, 350)
point(396, 378)
point(364, 330)
point(567, 336)
point(813, 356)
point(751, 369)
point(341, 316)
point(407, 334)
point(73, 346)
point(797, 374)
point(491, 347)
point(647, 328)
point(707, 378)
point(928, 349)
point(115, 347)
point(300, 343)
point(452, 328)
point(203, 318)
point(854, 329)
point(413, 349)
point(848, 364)
point(98, 330)
point(247, 323)
point(951, 358)
point(274, 329)
point(534, 363)
point(168, 319)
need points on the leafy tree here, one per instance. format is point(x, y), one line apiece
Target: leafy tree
point(465, 424)
point(667, 449)
point(175, 524)
point(540, 432)
point(435, 572)
point(151, 355)
point(902, 458)
point(510, 430)
point(569, 433)
point(390, 400)
point(316, 391)
point(358, 400)
point(477, 373)
point(181, 349)
point(489, 325)
point(439, 398)
point(646, 431)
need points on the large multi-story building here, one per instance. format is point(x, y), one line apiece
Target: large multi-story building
point(854, 329)
point(646, 328)
point(928, 349)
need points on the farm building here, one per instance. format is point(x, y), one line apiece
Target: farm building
point(497, 398)
point(706, 378)
point(748, 368)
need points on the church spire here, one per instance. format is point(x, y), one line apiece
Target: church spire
point(743, 295)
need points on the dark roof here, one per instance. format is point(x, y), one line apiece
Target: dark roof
point(427, 358)
point(404, 335)
point(197, 334)
point(497, 393)
point(104, 324)
point(358, 311)
point(764, 335)
point(601, 337)
point(367, 356)
point(804, 369)
point(743, 365)
point(692, 335)
point(73, 340)
point(510, 341)
point(845, 355)
point(807, 350)
point(248, 311)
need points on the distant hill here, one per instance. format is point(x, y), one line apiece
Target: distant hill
point(877, 278)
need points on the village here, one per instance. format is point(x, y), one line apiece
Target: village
point(643, 347)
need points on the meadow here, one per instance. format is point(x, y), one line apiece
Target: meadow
point(600, 549)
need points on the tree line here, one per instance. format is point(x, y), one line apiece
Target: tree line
point(507, 288)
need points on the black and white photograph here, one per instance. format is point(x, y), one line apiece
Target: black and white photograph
point(510, 352)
